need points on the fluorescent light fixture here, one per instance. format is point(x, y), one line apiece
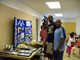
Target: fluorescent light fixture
point(59, 15)
point(53, 5)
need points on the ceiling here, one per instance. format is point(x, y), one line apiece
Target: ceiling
point(69, 8)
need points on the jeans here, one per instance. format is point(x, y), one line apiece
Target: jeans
point(58, 55)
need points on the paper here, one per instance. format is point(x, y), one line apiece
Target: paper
point(28, 23)
point(22, 35)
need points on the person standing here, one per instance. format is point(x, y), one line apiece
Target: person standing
point(43, 35)
point(50, 38)
point(59, 41)
point(73, 44)
point(69, 45)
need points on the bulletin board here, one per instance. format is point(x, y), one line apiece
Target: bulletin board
point(22, 31)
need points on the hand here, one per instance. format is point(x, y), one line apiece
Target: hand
point(52, 46)
point(44, 43)
point(58, 49)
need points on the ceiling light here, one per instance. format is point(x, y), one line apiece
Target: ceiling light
point(59, 15)
point(53, 5)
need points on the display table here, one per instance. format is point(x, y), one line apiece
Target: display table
point(21, 57)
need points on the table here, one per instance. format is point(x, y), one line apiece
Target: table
point(20, 57)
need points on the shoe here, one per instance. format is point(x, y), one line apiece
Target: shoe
point(74, 54)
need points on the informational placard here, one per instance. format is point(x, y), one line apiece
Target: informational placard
point(22, 30)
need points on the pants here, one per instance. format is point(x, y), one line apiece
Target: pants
point(68, 50)
point(49, 48)
point(58, 55)
point(49, 51)
point(44, 50)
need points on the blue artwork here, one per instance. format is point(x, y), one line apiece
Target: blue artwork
point(23, 31)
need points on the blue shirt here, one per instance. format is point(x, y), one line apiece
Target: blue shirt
point(58, 34)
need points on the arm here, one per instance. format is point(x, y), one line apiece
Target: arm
point(40, 33)
point(62, 39)
point(60, 44)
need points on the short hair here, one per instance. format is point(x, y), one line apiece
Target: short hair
point(50, 16)
point(58, 20)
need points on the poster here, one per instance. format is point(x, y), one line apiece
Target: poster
point(23, 31)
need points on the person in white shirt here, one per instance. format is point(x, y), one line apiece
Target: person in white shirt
point(69, 44)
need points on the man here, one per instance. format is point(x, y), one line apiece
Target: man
point(59, 41)
point(50, 38)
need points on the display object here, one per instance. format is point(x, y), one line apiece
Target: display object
point(22, 31)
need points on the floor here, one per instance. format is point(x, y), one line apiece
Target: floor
point(73, 57)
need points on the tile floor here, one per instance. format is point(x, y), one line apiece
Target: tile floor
point(73, 57)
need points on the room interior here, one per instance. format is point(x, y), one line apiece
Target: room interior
point(35, 10)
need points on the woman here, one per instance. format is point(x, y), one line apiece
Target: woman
point(43, 35)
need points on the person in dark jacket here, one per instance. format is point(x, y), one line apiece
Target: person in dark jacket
point(50, 38)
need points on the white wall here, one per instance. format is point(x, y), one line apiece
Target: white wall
point(16, 4)
point(78, 27)
point(39, 28)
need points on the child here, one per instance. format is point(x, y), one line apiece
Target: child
point(68, 51)
point(78, 44)
point(73, 44)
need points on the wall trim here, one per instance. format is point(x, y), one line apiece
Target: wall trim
point(16, 4)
